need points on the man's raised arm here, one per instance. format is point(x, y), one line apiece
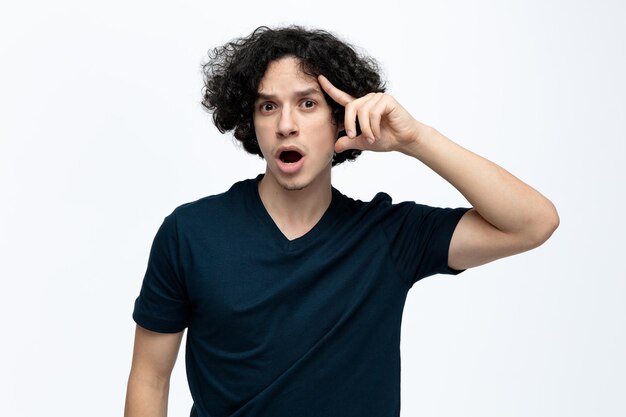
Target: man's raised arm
point(508, 217)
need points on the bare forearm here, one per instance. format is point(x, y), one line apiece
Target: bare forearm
point(499, 197)
point(146, 398)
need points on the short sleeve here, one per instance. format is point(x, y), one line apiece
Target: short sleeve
point(419, 238)
point(162, 305)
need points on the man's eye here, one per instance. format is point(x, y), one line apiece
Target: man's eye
point(308, 103)
point(267, 107)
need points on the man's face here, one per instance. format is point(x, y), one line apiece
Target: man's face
point(294, 126)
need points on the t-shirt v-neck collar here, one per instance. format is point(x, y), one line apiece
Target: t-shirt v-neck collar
point(318, 230)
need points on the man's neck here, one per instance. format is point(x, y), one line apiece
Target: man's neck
point(295, 212)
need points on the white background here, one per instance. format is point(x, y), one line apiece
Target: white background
point(102, 135)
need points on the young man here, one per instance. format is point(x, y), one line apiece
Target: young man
point(292, 293)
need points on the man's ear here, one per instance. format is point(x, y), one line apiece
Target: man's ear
point(340, 126)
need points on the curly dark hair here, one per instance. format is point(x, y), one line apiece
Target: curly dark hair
point(234, 71)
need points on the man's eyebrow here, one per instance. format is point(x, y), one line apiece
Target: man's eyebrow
point(308, 92)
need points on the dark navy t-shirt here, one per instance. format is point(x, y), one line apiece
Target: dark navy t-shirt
point(302, 328)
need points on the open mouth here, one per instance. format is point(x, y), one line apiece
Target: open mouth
point(290, 157)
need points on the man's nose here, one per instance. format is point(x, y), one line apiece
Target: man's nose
point(287, 125)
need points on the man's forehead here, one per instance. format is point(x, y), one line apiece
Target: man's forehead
point(287, 76)
point(307, 92)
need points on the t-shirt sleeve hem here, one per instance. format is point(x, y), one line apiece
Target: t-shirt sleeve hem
point(452, 271)
point(158, 325)
point(448, 231)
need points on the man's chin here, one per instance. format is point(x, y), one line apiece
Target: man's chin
point(293, 186)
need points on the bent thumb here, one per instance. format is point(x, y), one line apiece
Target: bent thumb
point(344, 143)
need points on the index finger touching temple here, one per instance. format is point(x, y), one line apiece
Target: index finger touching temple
point(336, 94)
